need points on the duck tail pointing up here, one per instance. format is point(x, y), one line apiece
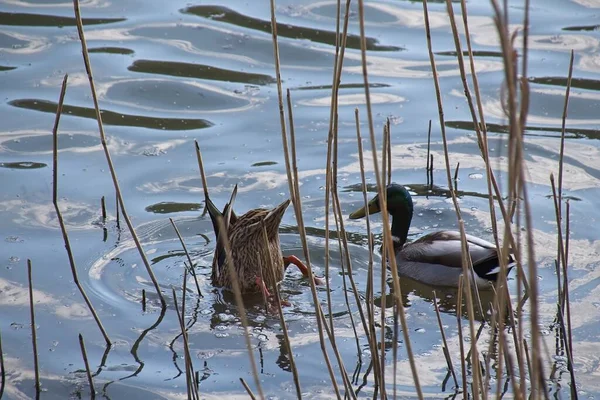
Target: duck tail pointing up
point(273, 218)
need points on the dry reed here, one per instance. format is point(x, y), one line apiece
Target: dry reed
point(36, 364)
point(284, 329)
point(383, 205)
point(103, 140)
point(187, 254)
point(87, 367)
point(59, 216)
point(2, 369)
point(239, 301)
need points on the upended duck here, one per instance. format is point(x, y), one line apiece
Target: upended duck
point(249, 252)
point(436, 258)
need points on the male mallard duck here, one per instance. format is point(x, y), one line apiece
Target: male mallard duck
point(434, 259)
point(249, 252)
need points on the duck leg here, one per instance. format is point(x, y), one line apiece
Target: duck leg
point(263, 288)
point(287, 260)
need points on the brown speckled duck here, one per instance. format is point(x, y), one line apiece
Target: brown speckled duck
point(249, 253)
point(436, 258)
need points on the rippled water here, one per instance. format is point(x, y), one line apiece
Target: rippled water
point(171, 72)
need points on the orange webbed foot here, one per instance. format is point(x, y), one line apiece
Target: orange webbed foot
point(287, 260)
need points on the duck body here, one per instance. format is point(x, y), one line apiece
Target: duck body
point(436, 258)
point(257, 263)
point(250, 255)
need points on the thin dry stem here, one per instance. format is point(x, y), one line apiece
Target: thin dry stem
point(296, 197)
point(235, 285)
point(370, 277)
point(36, 365)
point(284, 329)
point(102, 202)
point(248, 390)
point(443, 333)
point(463, 364)
point(61, 221)
point(189, 258)
point(467, 263)
point(313, 289)
point(192, 388)
point(113, 173)
point(2, 369)
point(87, 367)
point(383, 205)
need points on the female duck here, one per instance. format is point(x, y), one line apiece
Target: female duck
point(434, 259)
point(250, 254)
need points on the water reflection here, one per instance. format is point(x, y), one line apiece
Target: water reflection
point(25, 19)
point(227, 15)
point(189, 70)
point(114, 118)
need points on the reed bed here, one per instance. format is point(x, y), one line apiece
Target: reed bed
point(516, 353)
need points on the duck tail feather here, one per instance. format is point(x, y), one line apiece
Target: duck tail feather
point(274, 217)
point(489, 267)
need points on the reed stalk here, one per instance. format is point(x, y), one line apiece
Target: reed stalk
point(284, 329)
point(480, 128)
point(561, 161)
point(344, 240)
point(248, 390)
point(102, 203)
point(59, 216)
point(113, 173)
point(189, 258)
point(369, 289)
point(143, 300)
point(467, 263)
point(36, 365)
point(383, 205)
point(388, 150)
point(346, 271)
point(2, 369)
point(87, 367)
point(567, 333)
point(192, 387)
point(445, 348)
point(235, 286)
point(297, 202)
point(463, 363)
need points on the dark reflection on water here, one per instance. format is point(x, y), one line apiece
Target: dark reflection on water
point(476, 53)
point(543, 131)
point(581, 83)
point(420, 189)
point(227, 15)
point(584, 28)
point(113, 118)
point(446, 298)
point(166, 207)
point(22, 165)
point(200, 71)
point(111, 50)
point(23, 19)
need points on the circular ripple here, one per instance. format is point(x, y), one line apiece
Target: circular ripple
point(119, 276)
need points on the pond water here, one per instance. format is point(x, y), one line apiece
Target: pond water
point(171, 72)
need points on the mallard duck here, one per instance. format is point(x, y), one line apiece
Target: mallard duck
point(249, 253)
point(436, 258)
